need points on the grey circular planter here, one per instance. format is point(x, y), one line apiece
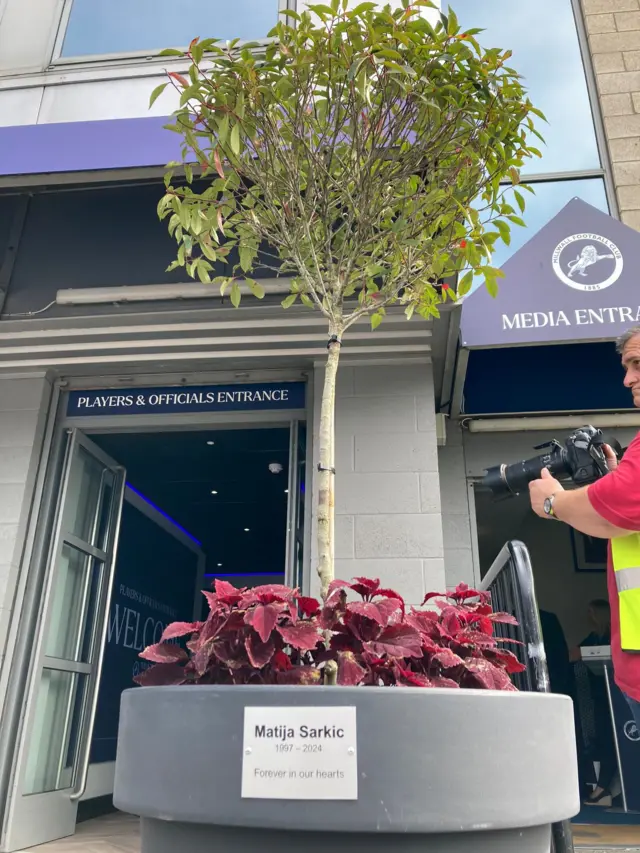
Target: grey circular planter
point(445, 770)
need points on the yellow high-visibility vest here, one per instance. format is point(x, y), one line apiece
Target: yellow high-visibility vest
point(625, 552)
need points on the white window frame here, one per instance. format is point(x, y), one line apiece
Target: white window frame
point(58, 60)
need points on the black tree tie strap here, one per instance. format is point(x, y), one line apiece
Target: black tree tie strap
point(334, 339)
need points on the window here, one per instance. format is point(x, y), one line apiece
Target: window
point(546, 52)
point(99, 27)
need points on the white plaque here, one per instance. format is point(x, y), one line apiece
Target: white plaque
point(304, 753)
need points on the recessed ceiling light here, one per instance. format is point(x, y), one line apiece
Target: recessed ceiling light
point(211, 443)
point(213, 492)
point(286, 491)
point(219, 565)
point(246, 530)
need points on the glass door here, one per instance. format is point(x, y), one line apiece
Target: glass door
point(294, 569)
point(53, 757)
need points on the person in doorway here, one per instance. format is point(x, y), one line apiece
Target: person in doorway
point(599, 619)
point(610, 509)
point(603, 743)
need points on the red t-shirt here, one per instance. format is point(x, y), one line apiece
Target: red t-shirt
point(616, 498)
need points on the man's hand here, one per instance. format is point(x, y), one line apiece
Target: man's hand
point(540, 490)
point(610, 456)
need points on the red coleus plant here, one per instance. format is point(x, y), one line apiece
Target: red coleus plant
point(273, 635)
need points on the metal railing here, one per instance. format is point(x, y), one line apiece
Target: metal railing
point(510, 582)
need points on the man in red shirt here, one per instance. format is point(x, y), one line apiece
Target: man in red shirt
point(610, 509)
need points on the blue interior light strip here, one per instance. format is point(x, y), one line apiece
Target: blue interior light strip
point(165, 516)
point(247, 575)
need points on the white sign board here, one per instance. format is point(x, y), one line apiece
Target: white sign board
point(304, 753)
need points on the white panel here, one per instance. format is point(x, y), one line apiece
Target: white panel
point(20, 106)
point(106, 99)
point(27, 34)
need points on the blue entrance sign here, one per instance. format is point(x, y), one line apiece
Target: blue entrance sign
point(178, 399)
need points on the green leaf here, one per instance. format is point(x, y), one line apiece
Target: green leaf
point(235, 294)
point(255, 288)
point(376, 319)
point(247, 254)
point(171, 51)
point(156, 93)
point(520, 200)
point(235, 139)
point(492, 286)
point(290, 299)
point(464, 284)
point(223, 129)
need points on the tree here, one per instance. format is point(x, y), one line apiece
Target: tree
point(361, 152)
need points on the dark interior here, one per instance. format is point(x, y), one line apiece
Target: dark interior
point(242, 528)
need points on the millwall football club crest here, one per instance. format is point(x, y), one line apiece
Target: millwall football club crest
point(587, 262)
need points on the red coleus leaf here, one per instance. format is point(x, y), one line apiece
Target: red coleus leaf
point(453, 621)
point(308, 606)
point(485, 626)
point(227, 593)
point(487, 675)
point(303, 635)
point(398, 641)
point(262, 619)
point(441, 681)
point(366, 587)
point(259, 653)
point(447, 659)
point(281, 661)
point(270, 593)
point(380, 611)
point(340, 642)
point(504, 618)
point(164, 653)
point(202, 657)
point(350, 672)
point(300, 675)
point(162, 675)
point(180, 629)
point(476, 638)
point(506, 659)
point(412, 679)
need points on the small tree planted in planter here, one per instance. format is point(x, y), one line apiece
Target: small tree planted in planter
point(362, 153)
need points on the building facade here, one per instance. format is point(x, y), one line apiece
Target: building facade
point(87, 312)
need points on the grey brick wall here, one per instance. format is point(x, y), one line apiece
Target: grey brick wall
point(388, 521)
point(614, 41)
point(23, 405)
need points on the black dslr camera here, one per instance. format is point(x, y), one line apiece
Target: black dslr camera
point(581, 460)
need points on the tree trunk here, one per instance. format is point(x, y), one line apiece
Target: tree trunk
point(326, 472)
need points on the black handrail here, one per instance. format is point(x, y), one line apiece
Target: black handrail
point(510, 582)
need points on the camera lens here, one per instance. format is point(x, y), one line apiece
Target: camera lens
point(506, 481)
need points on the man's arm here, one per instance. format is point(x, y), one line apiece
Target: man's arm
point(608, 508)
point(574, 508)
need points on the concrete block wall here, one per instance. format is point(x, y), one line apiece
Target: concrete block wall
point(613, 28)
point(388, 518)
point(23, 408)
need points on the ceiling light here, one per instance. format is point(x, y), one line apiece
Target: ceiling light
point(213, 492)
point(246, 530)
point(211, 443)
point(286, 491)
point(219, 565)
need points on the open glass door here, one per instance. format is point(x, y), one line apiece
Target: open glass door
point(53, 756)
